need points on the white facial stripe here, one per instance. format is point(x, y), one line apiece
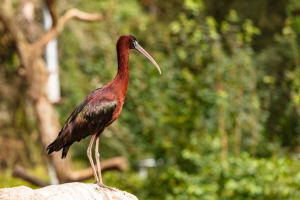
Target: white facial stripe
point(135, 43)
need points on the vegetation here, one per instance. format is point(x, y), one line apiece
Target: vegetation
point(222, 121)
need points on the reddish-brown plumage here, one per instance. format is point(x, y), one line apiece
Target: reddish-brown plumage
point(118, 86)
point(101, 108)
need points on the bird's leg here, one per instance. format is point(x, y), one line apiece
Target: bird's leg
point(97, 156)
point(89, 154)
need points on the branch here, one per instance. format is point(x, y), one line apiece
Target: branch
point(50, 5)
point(118, 163)
point(7, 23)
point(10, 25)
point(22, 173)
point(56, 30)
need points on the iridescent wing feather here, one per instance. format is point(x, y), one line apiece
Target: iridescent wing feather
point(87, 119)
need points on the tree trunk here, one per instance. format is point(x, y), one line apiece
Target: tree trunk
point(36, 79)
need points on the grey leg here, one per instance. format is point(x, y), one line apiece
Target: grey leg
point(97, 155)
point(89, 154)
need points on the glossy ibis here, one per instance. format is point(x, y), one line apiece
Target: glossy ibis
point(99, 109)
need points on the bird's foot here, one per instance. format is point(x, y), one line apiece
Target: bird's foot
point(105, 186)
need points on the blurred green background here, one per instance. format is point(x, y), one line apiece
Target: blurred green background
point(222, 121)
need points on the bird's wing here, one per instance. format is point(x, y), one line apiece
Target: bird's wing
point(94, 116)
point(88, 118)
point(82, 105)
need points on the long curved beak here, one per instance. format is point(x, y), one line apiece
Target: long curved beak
point(142, 51)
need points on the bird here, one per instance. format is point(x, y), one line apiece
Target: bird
point(100, 108)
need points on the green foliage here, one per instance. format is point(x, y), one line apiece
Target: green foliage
point(243, 177)
point(218, 115)
point(210, 87)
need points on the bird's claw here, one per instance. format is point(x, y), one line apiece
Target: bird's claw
point(104, 186)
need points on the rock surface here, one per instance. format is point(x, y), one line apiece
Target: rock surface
point(68, 191)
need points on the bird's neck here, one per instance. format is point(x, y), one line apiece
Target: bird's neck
point(122, 79)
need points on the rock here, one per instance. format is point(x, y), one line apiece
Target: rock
point(21, 192)
point(68, 191)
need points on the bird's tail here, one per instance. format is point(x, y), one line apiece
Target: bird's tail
point(54, 145)
point(58, 144)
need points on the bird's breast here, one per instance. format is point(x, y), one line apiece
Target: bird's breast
point(117, 111)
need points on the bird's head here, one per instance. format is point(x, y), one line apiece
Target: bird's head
point(128, 41)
